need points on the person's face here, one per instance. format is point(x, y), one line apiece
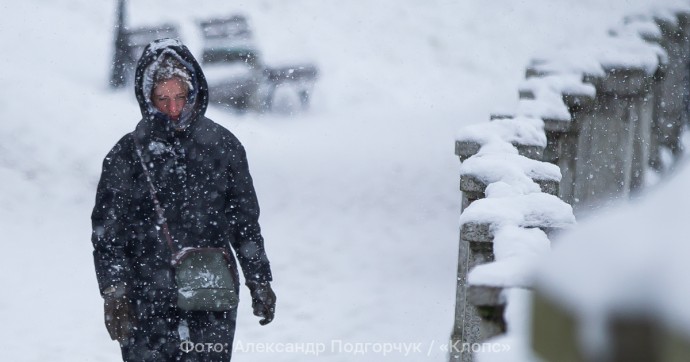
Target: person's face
point(169, 97)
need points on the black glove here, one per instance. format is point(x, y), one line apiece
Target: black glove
point(118, 313)
point(263, 301)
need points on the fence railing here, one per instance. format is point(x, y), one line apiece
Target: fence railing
point(594, 124)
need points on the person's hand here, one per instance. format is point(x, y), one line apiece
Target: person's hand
point(263, 301)
point(118, 314)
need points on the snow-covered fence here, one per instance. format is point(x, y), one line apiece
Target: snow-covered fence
point(630, 310)
point(510, 206)
point(617, 132)
point(591, 126)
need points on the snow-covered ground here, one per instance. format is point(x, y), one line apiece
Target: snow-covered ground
point(359, 195)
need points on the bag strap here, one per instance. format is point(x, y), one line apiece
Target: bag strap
point(157, 205)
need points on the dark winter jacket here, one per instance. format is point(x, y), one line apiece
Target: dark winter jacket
point(201, 177)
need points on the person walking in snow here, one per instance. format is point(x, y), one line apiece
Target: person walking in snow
point(175, 204)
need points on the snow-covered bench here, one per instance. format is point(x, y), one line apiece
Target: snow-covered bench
point(130, 44)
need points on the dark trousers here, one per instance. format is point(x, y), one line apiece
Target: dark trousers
point(164, 333)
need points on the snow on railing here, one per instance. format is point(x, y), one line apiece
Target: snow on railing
point(592, 125)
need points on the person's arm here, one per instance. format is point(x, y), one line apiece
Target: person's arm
point(243, 211)
point(109, 221)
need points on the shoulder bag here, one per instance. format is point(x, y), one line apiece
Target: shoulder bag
point(204, 276)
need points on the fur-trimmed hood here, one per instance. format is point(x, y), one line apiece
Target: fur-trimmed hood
point(150, 61)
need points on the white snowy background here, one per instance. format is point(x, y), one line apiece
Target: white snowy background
point(359, 195)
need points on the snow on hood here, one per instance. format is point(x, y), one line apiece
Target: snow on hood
point(152, 60)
